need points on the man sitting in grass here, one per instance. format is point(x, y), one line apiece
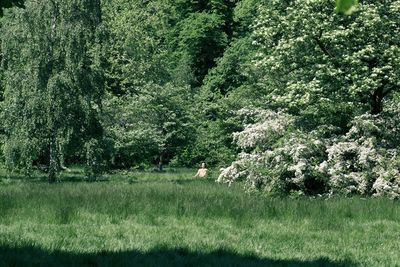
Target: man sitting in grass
point(202, 172)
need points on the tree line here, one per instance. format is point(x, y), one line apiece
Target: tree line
point(129, 84)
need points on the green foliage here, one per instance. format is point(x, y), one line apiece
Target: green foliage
point(212, 145)
point(95, 158)
point(137, 47)
point(346, 6)
point(154, 48)
point(10, 3)
point(228, 74)
point(225, 90)
point(244, 14)
point(153, 124)
point(53, 81)
point(201, 41)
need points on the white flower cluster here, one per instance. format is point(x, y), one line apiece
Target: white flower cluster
point(268, 127)
point(237, 171)
point(384, 187)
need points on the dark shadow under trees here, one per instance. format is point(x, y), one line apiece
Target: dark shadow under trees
point(32, 256)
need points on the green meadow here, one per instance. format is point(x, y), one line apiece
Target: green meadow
point(174, 219)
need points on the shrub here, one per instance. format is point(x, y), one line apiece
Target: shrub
point(366, 160)
point(279, 158)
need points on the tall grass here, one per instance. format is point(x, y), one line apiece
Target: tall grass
point(45, 203)
point(172, 213)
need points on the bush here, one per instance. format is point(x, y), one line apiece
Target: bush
point(279, 158)
point(366, 160)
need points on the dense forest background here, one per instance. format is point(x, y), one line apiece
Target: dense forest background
point(299, 97)
point(163, 74)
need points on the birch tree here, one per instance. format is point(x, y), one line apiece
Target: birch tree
point(53, 82)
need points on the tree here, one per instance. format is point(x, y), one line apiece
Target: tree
point(201, 41)
point(230, 71)
point(331, 86)
point(53, 82)
point(225, 90)
point(138, 50)
point(326, 66)
point(151, 127)
point(145, 112)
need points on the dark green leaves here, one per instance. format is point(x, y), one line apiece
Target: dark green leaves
point(10, 3)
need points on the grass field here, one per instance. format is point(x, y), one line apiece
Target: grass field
point(173, 219)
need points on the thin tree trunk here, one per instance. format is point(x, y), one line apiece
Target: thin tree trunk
point(61, 157)
point(160, 162)
point(376, 102)
point(54, 160)
point(54, 155)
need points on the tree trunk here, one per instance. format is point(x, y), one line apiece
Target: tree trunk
point(54, 160)
point(160, 162)
point(54, 156)
point(376, 102)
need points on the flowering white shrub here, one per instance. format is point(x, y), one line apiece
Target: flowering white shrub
point(366, 159)
point(350, 166)
point(279, 159)
point(388, 181)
